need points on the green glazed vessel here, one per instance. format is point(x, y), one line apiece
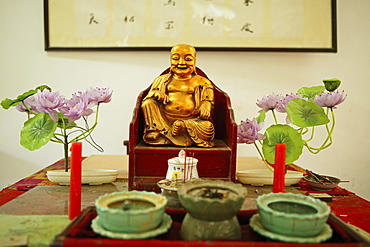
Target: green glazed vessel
point(211, 209)
point(292, 214)
point(131, 211)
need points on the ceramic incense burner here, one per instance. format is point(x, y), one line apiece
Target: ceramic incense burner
point(211, 209)
point(292, 214)
point(131, 211)
point(169, 189)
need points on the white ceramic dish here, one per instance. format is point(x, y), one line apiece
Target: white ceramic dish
point(89, 176)
point(261, 177)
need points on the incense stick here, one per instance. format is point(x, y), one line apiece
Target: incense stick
point(192, 164)
point(185, 167)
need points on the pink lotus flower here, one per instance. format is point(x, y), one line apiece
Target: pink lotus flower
point(76, 107)
point(48, 102)
point(330, 99)
point(30, 102)
point(98, 95)
point(281, 106)
point(40, 129)
point(269, 102)
point(248, 131)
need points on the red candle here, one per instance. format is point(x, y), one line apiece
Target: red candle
point(75, 180)
point(279, 168)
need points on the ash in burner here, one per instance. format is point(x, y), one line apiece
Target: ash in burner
point(213, 193)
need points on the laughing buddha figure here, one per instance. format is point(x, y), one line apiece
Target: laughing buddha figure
point(178, 107)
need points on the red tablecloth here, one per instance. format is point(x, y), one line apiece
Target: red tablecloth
point(37, 179)
point(346, 205)
point(336, 191)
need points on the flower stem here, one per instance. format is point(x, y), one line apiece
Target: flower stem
point(274, 115)
point(28, 110)
point(88, 132)
point(329, 138)
point(312, 134)
point(263, 158)
point(66, 159)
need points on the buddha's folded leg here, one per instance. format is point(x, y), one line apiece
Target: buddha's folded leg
point(154, 117)
point(201, 132)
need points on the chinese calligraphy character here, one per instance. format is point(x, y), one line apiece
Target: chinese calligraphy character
point(169, 25)
point(129, 19)
point(92, 19)
point(246, 28)
point(170, 2)
point(247, 2)
point(208, 20)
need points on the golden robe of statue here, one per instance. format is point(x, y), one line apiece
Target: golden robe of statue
point(177, 109)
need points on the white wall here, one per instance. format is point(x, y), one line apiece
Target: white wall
point(245, 76)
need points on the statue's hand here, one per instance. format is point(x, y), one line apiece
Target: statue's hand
point(204, 113)
point(161, 97)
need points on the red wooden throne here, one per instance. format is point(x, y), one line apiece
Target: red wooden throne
point(148, 164)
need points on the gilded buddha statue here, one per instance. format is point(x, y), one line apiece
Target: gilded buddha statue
point(178, 107)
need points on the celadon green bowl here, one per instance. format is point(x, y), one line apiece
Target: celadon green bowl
point(131, 211)
point(193, 198)
point(292, 214)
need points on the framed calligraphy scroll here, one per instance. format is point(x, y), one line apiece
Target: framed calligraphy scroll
point(239, 25)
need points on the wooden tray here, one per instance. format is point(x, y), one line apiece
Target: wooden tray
point(79, 233)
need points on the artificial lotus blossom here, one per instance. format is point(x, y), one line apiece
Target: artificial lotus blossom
point(304, 112)
point(28, 105)
point(276, 102)
point(81, 104)
point(76, 107)
point(48, 102)
point(43, 101)
point(281, 106)
point(99, 95)
point(248, 131)
point(330, 99)
point(52, 117)
point(269, 102)
point(73, 109)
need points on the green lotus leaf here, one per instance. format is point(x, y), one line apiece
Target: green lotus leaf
point(42, 87)
point(7, 103)
point(306, 113)
point(331, 84)
point(281, 133)
point(37, 131)
point(27, 94)
point(311, 92)
point(261, 117)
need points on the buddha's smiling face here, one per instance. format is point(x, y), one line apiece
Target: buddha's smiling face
point(183, 60)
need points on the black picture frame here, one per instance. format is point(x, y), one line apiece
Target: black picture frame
point(61, 27)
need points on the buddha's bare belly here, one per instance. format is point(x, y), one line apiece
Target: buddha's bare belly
point(180, 103)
